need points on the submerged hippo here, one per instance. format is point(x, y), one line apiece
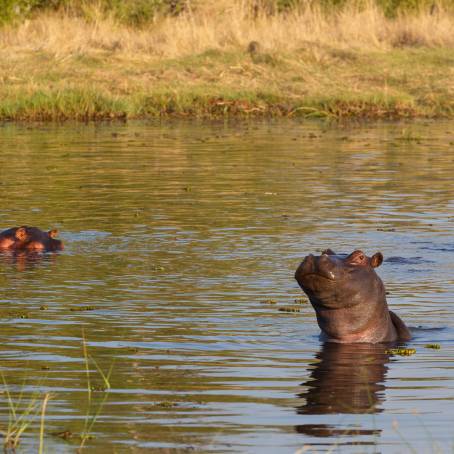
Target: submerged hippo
point(349, 298)
point(29, 239)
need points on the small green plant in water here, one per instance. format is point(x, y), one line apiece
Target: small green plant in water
point(90, 418)
point(433, 346)
point(18, 422)
point(300, 301)
point(82, 308)
point(157, 268)
point(289, 309)
point(401, 351)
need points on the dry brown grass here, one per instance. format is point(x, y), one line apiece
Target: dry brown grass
point(229, 26)
point(352, 63)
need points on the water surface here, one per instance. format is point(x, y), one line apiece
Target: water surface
point(175, 233)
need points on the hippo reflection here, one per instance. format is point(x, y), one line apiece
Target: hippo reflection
point(23, 260)
point(349, 298)
point(348, 379)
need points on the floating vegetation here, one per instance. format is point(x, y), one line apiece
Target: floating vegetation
point(68, 435)
point(268, 302)
point(82, 308)
point(99, 388)
point(166, 404)
point(401, 351)
point(65, 435)
point(433, 346)
point(289, 309)
point(13, 314)
point(300, 301)
point(157, 268)
point(43, 307)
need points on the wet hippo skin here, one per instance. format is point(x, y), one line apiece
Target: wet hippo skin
point(349, 298)
point(31, 239)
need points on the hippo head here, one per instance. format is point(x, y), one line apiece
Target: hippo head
point(34, 239)
point(346, 293)
point(31, 239)
point(337, 281)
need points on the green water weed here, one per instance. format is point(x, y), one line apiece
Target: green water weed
point(401, 351)
point(289, 309)
point(433, 346)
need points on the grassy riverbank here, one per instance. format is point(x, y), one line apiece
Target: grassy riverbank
point(351, 63)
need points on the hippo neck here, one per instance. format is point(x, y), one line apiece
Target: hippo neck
point(365, 322)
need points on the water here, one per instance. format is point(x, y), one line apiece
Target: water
point(175, 234)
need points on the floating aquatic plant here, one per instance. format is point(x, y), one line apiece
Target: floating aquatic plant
point(433, 346)
point(401, 351)
point(289, 309)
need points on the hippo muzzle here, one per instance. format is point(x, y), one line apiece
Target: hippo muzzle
point(324, 266)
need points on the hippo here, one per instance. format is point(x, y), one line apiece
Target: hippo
point(30, 239)
point(349, 298)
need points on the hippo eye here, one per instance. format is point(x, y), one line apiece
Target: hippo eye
point(361, 257)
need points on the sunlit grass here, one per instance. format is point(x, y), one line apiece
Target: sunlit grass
point(352, 63)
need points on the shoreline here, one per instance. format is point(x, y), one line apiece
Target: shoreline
point(55, 68)
point(407, 96)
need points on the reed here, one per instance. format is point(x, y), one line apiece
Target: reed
point(22, 413)
point(24, 410)
point(93, 412)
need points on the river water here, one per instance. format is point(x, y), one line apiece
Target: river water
point(177, 235)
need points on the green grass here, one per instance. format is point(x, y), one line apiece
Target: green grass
point(413, 82)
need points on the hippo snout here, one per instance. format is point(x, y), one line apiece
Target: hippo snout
point(324, 266)
point(307, 266)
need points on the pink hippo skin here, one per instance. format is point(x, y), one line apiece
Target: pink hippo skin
point(349, 298)
point(29, 239)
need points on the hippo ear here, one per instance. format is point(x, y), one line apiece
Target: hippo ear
point(21, 233)
point(52, 233)
point(328, 252)
point(376, 260)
